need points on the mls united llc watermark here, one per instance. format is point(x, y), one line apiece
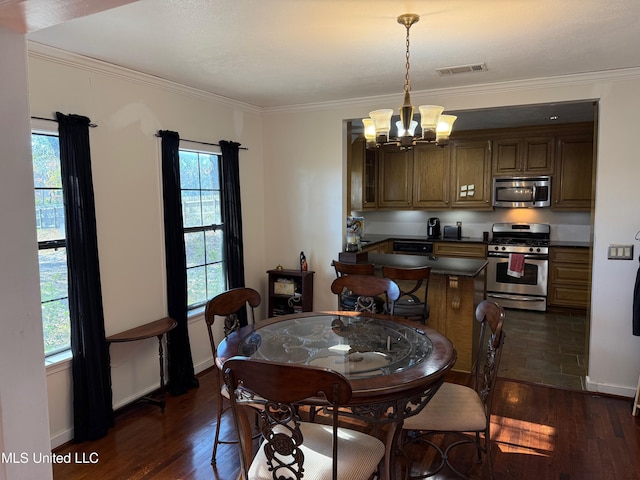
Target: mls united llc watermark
point(26, 457)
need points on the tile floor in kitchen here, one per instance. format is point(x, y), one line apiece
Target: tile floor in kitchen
point(545, 347)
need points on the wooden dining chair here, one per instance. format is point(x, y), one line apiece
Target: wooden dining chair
point(463, 411)
point(414, 289)
point(343, 268)
point(291, 448)
point(366, 288)
point(348, 299)
point(226, 307)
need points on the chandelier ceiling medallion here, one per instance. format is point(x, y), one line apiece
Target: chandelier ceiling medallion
point(435, 126)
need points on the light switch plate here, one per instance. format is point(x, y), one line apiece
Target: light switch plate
point(620, 252)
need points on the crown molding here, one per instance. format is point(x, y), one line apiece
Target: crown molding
point(74, 60)
point(484, 89)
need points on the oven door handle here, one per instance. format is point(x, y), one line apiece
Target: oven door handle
point(515, 297)
point(526, 255)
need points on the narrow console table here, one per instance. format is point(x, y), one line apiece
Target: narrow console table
point(158, 329)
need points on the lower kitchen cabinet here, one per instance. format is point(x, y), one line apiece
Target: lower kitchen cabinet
point(460, 249)
point(569, 277)
point(378, 247)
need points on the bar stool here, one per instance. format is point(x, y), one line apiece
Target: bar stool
point(410, 281)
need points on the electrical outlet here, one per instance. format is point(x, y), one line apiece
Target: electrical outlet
point(620, 252)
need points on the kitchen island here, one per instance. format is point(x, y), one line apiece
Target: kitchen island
point(456, 287)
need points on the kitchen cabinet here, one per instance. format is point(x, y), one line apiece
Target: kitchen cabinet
point(569, 277)
point(431, 169)
point(362, 172)
point(460, 249)
point(395, 177)
point(378, 247)
point(290, 291)
point(572, 184)
point(528, 155)
point(471, 174)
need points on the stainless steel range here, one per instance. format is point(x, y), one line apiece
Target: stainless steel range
point(525, 288)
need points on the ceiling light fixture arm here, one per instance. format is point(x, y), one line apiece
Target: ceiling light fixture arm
point(435, 127)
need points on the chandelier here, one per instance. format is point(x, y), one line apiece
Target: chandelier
point(435, 127)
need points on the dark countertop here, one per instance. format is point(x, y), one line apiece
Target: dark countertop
point(372, 239)
point(464, 267)
point(558, 243)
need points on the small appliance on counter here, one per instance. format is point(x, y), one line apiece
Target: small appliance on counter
point(452, 232)
point(433, 228)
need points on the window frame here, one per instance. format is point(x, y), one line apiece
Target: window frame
point(50, 128)
point(206, 149)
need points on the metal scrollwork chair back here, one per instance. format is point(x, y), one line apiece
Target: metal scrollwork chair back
point(227, 305)
point(291, 447)
point(347, 299)
point(366, 288)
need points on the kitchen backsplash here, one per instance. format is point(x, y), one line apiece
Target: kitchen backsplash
point(574, 226)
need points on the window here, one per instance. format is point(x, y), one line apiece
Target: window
point(203, 225)
point(52, 251)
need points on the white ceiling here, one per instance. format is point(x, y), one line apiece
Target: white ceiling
point(273, 53)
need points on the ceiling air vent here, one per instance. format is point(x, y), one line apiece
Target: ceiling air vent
point(476, 67)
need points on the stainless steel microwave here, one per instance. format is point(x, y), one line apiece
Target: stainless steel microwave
point(522, 192)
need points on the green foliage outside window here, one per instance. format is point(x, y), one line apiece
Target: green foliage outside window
point(202, 219)
point(52, 254)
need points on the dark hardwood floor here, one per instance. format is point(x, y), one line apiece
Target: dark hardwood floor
point(539, 432)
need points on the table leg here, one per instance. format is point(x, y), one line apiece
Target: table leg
point(389, 468)
point(160, 400)
point(161, 355)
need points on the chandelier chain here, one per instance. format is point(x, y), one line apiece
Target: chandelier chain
point(407, 80)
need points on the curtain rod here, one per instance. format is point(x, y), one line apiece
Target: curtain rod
point(205, 143)
point(92, 125)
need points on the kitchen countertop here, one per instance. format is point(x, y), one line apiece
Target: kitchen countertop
point(558, 243)
point(464, 267)
point(373, 239)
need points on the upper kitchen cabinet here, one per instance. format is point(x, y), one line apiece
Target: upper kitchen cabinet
point(395, 177)
point(471, 174)
point(523, 154)
point(572, 184)
point(362, 173)
point(431, 177)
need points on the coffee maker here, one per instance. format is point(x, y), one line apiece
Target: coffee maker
point(433, 228)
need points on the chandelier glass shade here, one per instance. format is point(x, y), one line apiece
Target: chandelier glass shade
point(435, 126)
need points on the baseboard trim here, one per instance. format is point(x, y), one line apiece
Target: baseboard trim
point(618, 390)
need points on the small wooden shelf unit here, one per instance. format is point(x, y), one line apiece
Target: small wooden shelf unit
point(290, 291)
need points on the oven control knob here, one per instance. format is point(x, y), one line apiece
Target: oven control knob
point(531, 249)
point(504, 248)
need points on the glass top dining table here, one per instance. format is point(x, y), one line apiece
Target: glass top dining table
point(394, 366)
point(379, 356)
point(356, 347)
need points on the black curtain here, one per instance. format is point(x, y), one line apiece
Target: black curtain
point(92, 398)
point(232, 218)
point(180, 363)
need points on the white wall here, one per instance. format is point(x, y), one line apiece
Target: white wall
point(313, 218)
point(129, 109)
point(24, 425)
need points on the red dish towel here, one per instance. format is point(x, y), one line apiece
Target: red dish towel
point(516, 265)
